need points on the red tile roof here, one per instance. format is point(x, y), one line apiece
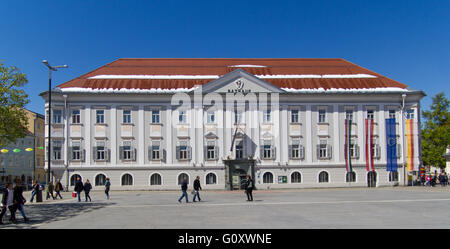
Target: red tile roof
point(222, 66)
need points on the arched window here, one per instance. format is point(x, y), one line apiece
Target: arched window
point(296, 177)
point(350, 177)
point(127, 180)
point(155, 179)
point(181, 177)
point(393, 176)
point(323, 176)
point(73, 179)
point(100, 180)
point(211, 178)
point(268, 177)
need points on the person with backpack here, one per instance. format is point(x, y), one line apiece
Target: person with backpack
point(87, 188)
point(197, 187)
point(78, 188)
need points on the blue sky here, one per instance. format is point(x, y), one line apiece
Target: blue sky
point(408, 41)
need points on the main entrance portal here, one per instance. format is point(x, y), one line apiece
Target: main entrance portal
point(236, 172)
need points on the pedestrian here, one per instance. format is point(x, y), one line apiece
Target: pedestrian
point(433, 180)
point(249, 188)
point(35, 190)
point(107, 186)
point(49, 189)
point(428, 180)
point(19, 200)
point(78, 188)
point(87, 187)
point(197, 187)
point(184, 187)
point(8, 203)
point(58, 188)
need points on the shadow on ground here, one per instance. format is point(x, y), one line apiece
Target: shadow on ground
point(48, 213)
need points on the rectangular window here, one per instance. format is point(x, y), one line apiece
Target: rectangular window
point(295, 149)
point(57, 148)
point(100, 114)
point(76, 117)
point(101, 151)
point(182, 117)
point(266, 116)
point(410, 114)
point(156, 152)
point(211, 150)
point(294, 116)
point(237, 117)
point(391, 113)
point(126, 150)
point(322, 116)
point(155, 117)
point(127, 116)
point(76, 150)
point(57, 116)
point(210, 117)
point(323, 146)
point(349, 114)
point(239, 150)
point(183, 150)
point(370, 114)
point(267, 151)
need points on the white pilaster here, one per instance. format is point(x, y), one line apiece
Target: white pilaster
point(141, 135)
point(308, 136)
point(88, 128)
point(336, 134)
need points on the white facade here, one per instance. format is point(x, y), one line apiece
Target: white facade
point(143, 134)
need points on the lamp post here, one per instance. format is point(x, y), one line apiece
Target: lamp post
point(50, 69)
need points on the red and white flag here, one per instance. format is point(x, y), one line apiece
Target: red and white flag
point(369, 145)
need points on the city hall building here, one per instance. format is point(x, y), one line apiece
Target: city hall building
point(288, 123)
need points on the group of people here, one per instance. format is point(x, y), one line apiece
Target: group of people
point(432, 179)
point(13, 200)
point(248, 186)
point(86, 187)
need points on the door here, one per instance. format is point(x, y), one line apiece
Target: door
point(372, 179)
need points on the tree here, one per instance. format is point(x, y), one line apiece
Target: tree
point(13, 120)
point(436, 132)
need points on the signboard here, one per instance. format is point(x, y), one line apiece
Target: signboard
point(282, 179)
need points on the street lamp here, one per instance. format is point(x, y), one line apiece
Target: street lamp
point(50, 69)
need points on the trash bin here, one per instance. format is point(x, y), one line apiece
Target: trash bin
point(39, 196)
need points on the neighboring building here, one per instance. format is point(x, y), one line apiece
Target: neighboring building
point(125, 121)
point(20, 162)
point(447, 158)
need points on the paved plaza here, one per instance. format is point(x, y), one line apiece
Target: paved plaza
point(399, 207)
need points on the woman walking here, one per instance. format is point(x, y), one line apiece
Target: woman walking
point(58, 189)
point(87, 188)
point(107, 186)
point(35, 190)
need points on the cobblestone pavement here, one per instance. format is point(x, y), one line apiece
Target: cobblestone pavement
point(399, 207)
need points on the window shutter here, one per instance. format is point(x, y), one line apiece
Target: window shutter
point(82, 153)
point(94, 150)
point(302, 152)
point(121, 152)
point(205, 152)
point(71, 153)
point(46, 153)
point(261, 151)
point(164, 155)
point(177, 152)
point(318, 151)
point(107, 151)
point(290, 152)
point(133, 154)
point(399, 151)
point(329, 152)
point(216, 152)
point(356, 151)
point(377, 151)
point(150, 154)
point(273, 152)
point(189, 152)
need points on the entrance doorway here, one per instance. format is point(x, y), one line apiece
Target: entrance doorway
point(372, 179)
point(236, 172)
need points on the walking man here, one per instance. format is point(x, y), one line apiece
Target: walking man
point(184, 187)
point(8, 203)
point(87, 187)
point(107, 186)
point(19, 200)
point(58, 189)
point(197, 187)
point(49, 191)
point(35, 190)
point(78, 188)
point(249, 188)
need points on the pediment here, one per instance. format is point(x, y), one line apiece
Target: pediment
point(240, 81)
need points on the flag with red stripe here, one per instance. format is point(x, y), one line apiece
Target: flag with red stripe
point(348, 135)
point(369, 145)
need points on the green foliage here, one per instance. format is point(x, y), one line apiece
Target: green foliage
point(13, 120)
point(436, 132)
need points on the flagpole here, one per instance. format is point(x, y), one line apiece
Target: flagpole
point(403, 139)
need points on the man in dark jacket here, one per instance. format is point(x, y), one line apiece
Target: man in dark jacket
point(249, 185)
point(78, 188)
point(87, 188)
point(197, 187)
point(184, 187)
point(8, 203)
point(19, 200)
